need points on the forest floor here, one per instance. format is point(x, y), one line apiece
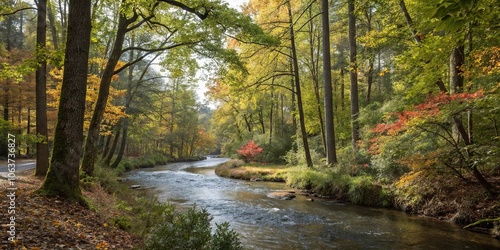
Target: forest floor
point(50, 223)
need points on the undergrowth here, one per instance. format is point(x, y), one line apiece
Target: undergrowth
point(159, 224)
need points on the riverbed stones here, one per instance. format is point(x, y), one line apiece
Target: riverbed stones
point(282, 195)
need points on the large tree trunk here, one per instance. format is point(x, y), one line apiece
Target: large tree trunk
point(331, 153)
point(63, 176)
point(298, 90)
point(354, 76)
point(42, 147)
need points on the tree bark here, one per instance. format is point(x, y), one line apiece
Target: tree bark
point(331, 153)
point(42, 147)
point(354, 76)
point(63, 176)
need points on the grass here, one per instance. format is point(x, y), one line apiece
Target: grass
point(238, 169)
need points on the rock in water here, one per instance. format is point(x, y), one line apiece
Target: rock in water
point(282, 195)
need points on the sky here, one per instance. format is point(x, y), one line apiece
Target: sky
point(201, 88)
point(235, 3)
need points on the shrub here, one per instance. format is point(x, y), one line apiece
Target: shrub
point(321, 181)
point(192, 230)
point(275, 151)
point(249, 151)
point(364, 191)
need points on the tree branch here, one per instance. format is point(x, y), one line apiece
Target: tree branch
point(202, 16)
point(19, 10)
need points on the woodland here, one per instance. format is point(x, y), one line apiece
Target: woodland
point(382, 103)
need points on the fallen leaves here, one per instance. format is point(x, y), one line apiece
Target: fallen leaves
point(49, 223)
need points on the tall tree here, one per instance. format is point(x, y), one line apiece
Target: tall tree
point(63, 176)
point(331, 153)
point(298, 92)
point(42, 147)
point(353, 69)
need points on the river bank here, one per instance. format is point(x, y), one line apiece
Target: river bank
point(449, 199)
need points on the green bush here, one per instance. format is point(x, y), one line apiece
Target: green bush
point(364, 191)
point(5, 127)
point(322, 181)
point(192, 230)
point(123, 222)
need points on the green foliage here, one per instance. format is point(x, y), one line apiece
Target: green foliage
point(106, 177)
point(273, 152)
point(147, 161)
point(122, 222)
point(5, 127)
point(353, 163)
point(364, 191)
point(297, 157)
point(225, 238)
point(322, 181)
point(192, 230)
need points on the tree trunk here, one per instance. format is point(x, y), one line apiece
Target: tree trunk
point(90, 153)
point(315, 76)
point(409, 21)
point(298, 90)
point(457, 61)
point(331, 153)
point(354, 76)
point(63, 176)
point(42, 147)
point(112, 150)
point(371, 59)
point(128, 100)
point(52, 25)
point(123, 143)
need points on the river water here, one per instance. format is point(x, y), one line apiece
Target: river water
point(267, 223)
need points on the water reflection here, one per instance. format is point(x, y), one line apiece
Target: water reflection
point(266, 223)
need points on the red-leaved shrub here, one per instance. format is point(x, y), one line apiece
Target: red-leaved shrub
point(249, 151)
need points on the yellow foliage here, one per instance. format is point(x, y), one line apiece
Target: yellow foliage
point(112, 114)
point(408, 178)
point(418, 162)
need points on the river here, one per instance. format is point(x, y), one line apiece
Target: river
point(267, 223)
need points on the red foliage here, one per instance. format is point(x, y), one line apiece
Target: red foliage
point(429, 108)
point(249, 151)
point(433, 102)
